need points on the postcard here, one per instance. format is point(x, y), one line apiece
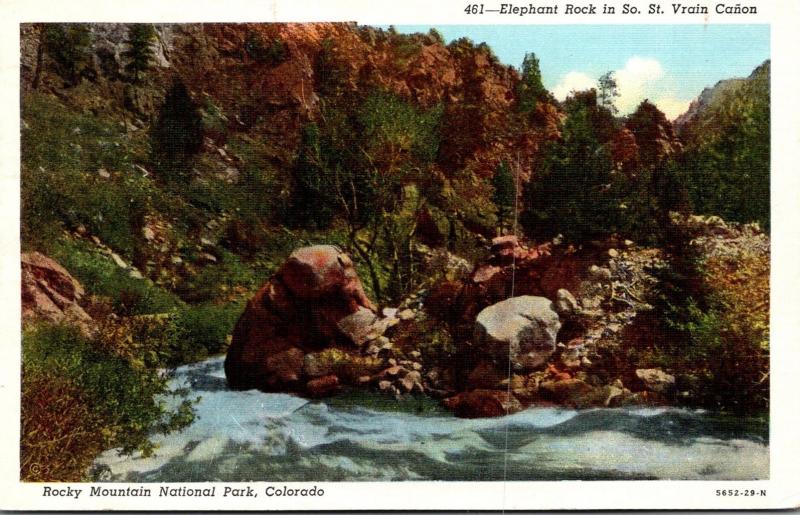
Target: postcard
point(399, 256)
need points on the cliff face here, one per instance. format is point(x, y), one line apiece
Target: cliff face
point(270, 79)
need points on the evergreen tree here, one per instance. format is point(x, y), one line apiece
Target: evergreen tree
point(68, 44)
point(530, 90)
point(140, 50)
point(504, 193)
point(607, 84)
point(178, 134)
point(573, 194)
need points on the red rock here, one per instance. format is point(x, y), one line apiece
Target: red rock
point(482, 403)
point(298, 308)
point(572, 392)
point(323, 386)
point(50, 293)
point(484, 375)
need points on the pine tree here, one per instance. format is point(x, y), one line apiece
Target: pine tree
point(530, 90)
point(140, 50)
point(607, 84)
point(68, 45)
point(178, 133)
point(504, 193)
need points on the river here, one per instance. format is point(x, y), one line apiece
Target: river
point(256, 436)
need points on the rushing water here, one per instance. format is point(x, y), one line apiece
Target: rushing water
point(245, 436)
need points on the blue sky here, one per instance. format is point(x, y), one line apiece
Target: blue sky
point(669, 64)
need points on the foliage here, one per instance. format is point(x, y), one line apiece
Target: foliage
point(715, 324)
point(140, 50)
point(61, 153)
point(607, 91)
point(59, 434)
point(102, 277)
point(68, 44)
point(270, 53)
point(178, 134)
point(125, 399)
point(530, 90)
point(573, 195)
point(504, 193)
point(728, 153)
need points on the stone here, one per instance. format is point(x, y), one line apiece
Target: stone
point(298, 308)
point(315, 366)
point(148, 233)
point(323, 386)
point(384, 385)
point(566, 304)
point(135, 274)
point(206, 257)
point(526, 327)
point(357, 326)
point(102, 172)
point(50, 293)
point(118, 260)
point(573, 392)
point(613, 253)
point(406, 314)
point(389, 312)
point(176, 260)
point(600, 273)
point(656, 380)
point(482, 403)
point(485, 375)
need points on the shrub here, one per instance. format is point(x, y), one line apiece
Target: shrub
point(59, 435)
point(124, 400)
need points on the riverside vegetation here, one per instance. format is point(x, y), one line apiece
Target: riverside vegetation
point(168, 171)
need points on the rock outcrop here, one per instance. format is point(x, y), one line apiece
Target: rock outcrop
point(51, 294)
point(297, 312)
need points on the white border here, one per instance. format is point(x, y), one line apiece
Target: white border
point(784, 484)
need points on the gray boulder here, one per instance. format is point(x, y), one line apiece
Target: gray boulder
point(526, 327)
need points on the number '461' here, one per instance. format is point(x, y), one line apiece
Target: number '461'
point(474, 9)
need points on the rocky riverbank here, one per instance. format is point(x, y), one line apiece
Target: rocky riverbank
point(541, 325)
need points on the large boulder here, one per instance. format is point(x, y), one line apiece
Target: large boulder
point(295, 313)
point(51, 294)
point(523, 327)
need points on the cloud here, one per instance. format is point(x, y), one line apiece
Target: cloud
point(671, 106)
point(640, 78)
point(634, 80)
point(573, 81)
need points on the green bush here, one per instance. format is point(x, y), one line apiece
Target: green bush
point(128, 400)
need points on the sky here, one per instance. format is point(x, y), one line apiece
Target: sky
point(667, 64)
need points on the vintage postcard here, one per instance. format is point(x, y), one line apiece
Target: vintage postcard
point(493, 256)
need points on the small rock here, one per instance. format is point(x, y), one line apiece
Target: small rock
point(384, 385)
point(392, 362)
point(102, 172)
point(613, 253)
point(118, 260)
point(406, 314)
point(416, 366)
point(389, 312)
point(81, 229)
point(655, 379)
point(600, 273)
point(206, 242)
point(415, 354)
point(135, 274)
point(363, 380)
point(148, 233)
point(565, 303)
point(176, 260)
point(628, 243)
point(206, 257)
point(323, 386)
point(585, 361)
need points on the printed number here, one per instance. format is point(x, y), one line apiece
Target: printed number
point(474, 9)
point(741, 493)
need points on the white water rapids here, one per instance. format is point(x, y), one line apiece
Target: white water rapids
point(256, 436)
